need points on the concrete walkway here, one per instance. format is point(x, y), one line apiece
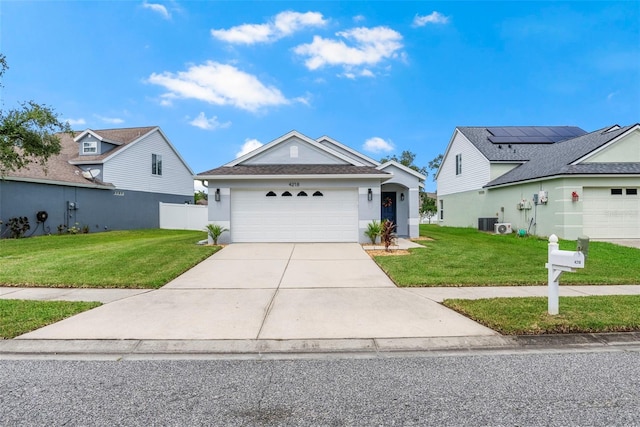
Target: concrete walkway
point(275, 297)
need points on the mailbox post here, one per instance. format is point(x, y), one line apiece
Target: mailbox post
point(559, 262)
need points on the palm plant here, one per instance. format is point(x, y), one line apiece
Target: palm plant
point(374, 228)
point(215, 230)
point(388, 236)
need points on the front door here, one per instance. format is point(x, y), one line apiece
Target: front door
point(388, 208)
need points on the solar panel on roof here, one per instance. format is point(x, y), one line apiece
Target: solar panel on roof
point(532, 134)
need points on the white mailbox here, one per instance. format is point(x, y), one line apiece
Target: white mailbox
point(569, 259)
point(558, 263)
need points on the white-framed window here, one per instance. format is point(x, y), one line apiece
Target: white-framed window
point(90, 147)
point(458, 164)
point(156, 164)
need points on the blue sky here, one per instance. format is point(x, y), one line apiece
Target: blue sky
point(381, 77)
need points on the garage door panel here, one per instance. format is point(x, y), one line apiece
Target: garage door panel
point(330, 218)
point(610, 216)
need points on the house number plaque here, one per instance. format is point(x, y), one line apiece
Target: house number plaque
point(294, 184)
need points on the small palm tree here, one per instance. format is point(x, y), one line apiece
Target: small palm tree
point(388, 236)
point(215, 230)
point(374, 228)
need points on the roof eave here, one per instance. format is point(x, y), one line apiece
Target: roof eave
point(385, 176)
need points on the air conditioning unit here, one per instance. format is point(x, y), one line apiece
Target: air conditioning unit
point(502, 228)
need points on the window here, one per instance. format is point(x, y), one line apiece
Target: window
point(441, 209)
point(156, 164)
point(616, 191)
point(90, 147)
point(286, 194)
point(302, 194)
point(317, 194)
point(458, 164)
point(632, 191)
point(271, 194)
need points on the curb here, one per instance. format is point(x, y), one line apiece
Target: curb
point(372, 347)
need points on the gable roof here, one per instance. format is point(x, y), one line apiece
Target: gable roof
point(349, 150)
point(287, 137)
point(516, 143)
point(404, 168)
point(119, 137)
point(561, 158)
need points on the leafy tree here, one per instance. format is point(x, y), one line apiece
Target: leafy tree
point(28, 133)
point(200, 195)
point(434, 165)
point(406, 159)
point(428, 207)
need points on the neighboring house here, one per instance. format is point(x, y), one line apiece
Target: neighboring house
point(102, 179)
point(297, 189)
point(543, 179)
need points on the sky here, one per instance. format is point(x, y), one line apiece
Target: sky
point(223, 77)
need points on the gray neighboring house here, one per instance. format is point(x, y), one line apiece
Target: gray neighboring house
point(299, 189)
point(111, 179)
point(543, 179)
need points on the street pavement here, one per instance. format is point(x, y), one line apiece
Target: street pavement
point(278, 298)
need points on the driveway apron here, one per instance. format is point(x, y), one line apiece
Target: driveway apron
point(272, 291)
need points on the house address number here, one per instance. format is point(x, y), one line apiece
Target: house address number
point(294, 184)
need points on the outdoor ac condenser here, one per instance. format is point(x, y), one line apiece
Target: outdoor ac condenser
point(502, 228)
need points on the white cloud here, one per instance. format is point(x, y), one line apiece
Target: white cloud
point(284, 24)
point(218, 84)
point(357, 47)
point(157, 8)
point(359, 18)
point(248, 146)
point(110, 120)
point(76, 122)
point(433, 18)
point(203, 122)
point(377, 145)
point(611, 95)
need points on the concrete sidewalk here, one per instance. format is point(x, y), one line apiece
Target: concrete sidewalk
point(275, 298)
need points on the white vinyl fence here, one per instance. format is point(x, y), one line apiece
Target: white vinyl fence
point(175, 216)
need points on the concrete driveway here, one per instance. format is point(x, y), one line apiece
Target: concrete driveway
point(277, 291)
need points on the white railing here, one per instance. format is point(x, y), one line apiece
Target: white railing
point(175, 216)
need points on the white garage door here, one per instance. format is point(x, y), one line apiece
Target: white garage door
point(294, 215)
point(611, 213)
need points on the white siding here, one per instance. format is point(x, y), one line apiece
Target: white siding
point(131, 168)
point(626, 149)
point(475, 168)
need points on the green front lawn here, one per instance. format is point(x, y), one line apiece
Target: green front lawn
point(114, 259)
point(18, 317)
point(528, 316)
point(468, 257)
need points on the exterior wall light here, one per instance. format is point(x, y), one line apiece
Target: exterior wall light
point(369, 195)
point(402, 197)
point(217, 195)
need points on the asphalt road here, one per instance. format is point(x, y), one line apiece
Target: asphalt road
point(528, 389)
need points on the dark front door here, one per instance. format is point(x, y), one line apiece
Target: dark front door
point(388, 208)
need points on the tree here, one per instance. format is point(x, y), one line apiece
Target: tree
point(406, 159)
point(28, 133)
point(434, 165)
point(428, 207)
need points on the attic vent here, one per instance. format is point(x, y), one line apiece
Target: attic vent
point(293, 152)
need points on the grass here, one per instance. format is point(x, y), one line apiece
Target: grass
point(468, 257)
point(115, 259)
point(528, 316)
point(18, 317)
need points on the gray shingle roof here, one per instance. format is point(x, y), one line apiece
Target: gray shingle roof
point(555, 159)
point(59, 168)
point(293, 170)
point(515, 150)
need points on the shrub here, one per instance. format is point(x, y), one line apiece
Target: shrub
point(374, 229)
point(215, 230)
point(388, 236)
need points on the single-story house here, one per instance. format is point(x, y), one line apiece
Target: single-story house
point(299, 189)
point(543, 179)
point(101, 180)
